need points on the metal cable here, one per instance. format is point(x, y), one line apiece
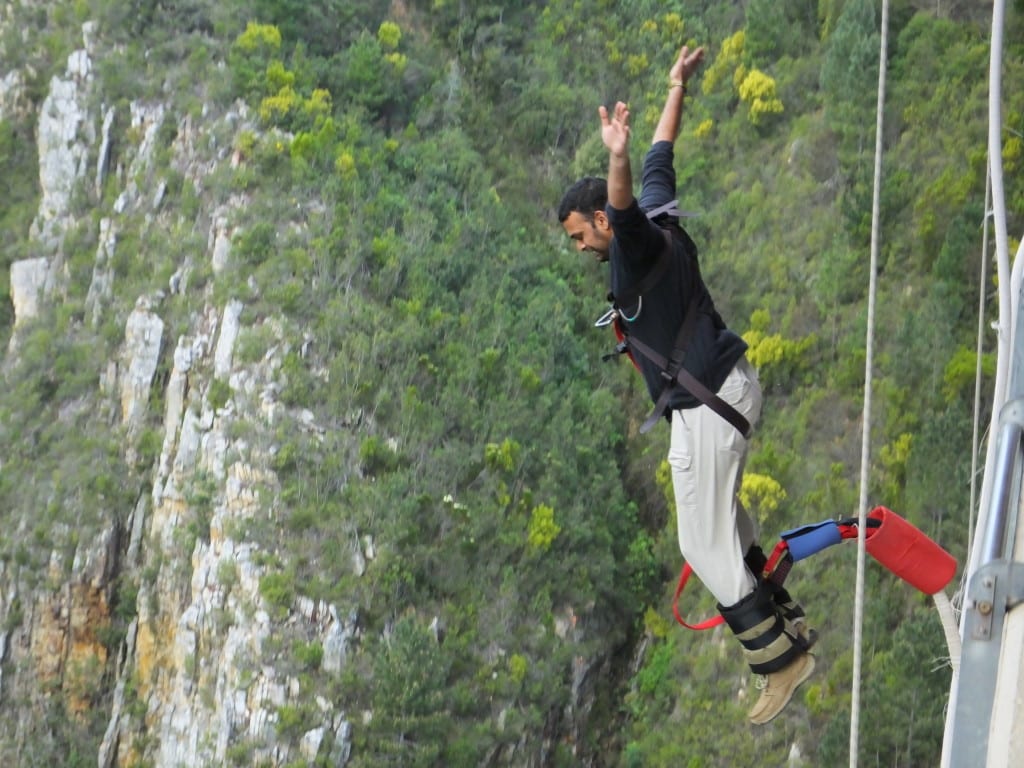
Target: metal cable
point(858, 611)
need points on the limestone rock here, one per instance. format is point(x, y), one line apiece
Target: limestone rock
point(28, 279)
point(65, 135)
point(143, 336)
point(226, 342)
point(146, 120)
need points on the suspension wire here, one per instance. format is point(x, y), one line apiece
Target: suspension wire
point(1005, 277)
point(865, 457)
point(975, 438)
point(950, 610)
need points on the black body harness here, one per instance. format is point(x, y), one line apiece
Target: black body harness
point(672, 371)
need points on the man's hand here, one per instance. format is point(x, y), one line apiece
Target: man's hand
point(686, 64)
point(615, 129)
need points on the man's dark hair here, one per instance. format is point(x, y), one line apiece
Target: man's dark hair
point(587, 195)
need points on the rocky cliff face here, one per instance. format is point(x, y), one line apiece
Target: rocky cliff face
point(152, 550)
point(193, 676)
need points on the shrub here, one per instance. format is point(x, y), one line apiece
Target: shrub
point(309, 655)
point(252, 53)
point(543, 530)
point(278, 590)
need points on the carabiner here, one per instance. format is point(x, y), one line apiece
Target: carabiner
point(607, 318)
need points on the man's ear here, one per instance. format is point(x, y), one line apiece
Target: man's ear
point(601, 221)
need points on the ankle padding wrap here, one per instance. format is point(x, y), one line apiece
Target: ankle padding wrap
point(756, 561)
point(759, 626)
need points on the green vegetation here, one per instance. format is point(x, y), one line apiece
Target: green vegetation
point(398, 242)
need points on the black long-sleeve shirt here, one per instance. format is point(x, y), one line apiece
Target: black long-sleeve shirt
point(656, 317)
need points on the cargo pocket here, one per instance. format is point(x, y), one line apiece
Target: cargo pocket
point(680, 461)
point(742, 390)
point(734, 390)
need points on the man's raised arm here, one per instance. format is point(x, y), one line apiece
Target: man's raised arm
point(685, 65)
point(615, 135)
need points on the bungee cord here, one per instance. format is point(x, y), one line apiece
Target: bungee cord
point(858, 611)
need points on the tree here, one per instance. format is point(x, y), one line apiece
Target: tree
point(905, 692)
point(849, 78)
point(777, 28)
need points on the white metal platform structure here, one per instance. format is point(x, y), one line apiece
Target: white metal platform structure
point(985, 717)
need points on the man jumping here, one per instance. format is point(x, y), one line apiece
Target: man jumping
point(698, 376)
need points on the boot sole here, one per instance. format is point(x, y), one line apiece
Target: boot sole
point(808, 670)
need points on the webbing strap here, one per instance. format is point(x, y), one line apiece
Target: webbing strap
point(776, 570)
point(776, 567)
point(630, 297)
point(672, 209)
point(673, 371)
point(651, 279)
point(684, 576)
point(693, 386)
point(672, 367)
point(777, 557)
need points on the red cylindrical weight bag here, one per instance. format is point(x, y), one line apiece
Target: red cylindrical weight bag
point(908, 553)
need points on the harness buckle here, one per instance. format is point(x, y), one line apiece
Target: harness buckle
point(620, 349)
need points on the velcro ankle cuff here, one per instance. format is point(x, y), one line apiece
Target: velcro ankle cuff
point(759, 626)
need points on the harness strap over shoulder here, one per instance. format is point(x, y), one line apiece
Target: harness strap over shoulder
point(671, 208)
point(629, 298)
point(672, 369)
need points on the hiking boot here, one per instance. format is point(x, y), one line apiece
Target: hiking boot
point(774, 646)
point(777, 688)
